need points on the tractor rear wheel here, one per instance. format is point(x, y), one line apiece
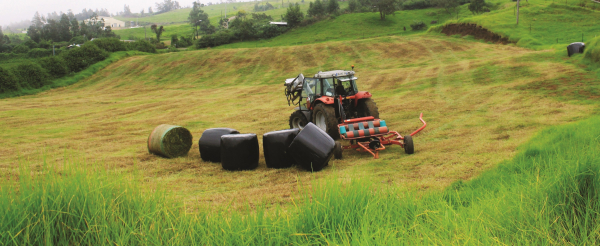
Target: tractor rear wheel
point(298, 120)
point(367, 107)
point(337, 151)
point(409, 147)
point(324, 118)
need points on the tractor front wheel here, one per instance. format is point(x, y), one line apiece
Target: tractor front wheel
point(298, 120)
point(324, 118)
point(409, 147)
point(367, 107)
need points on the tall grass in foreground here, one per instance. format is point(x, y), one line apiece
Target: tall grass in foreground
point(548, 194)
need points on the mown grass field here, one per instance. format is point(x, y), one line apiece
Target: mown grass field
point(78, 161)
point(478, 113)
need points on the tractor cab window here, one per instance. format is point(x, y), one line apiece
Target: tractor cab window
point(328, 87)
point(309, 87)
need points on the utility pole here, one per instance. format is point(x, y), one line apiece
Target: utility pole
point(518, 2)
point(145, 33)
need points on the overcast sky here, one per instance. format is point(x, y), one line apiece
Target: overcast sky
point(17, 10)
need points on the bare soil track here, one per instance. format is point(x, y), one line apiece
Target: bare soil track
point(476, 31)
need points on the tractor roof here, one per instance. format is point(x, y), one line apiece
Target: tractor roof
point(334, 73)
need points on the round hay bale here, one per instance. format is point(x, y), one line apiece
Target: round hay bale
point(239, 151)
point(312, 148)
point(170, 141)
point(210, 143)
point(275, 146)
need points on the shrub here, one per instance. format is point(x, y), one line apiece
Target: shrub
point(110, 44)
point(55, 65)
point(8, 82)
point(183, 42)
point(31, 74)
point(31, 44)
point(20, 49)
point(212, 40)
point(160, 45)
point(142, 45)
point(418, 25)
point(417, 4)
point(80, 58)
point(172, 49)
point(592, 50)
point(77, 40)
point(39, 52)
point(270, 31)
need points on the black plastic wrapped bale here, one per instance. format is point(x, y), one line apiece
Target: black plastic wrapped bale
point(210, 143)
point(312, 148)
point(275, 146)
point(574, 48)
point(170, 141)
point(239, 151)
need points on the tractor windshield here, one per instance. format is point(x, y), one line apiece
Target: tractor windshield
point(349, 84)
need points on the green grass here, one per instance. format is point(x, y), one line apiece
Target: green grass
point(352, 27)
point(73, 78)
point(140, 33)
point(543, 24)
point(175, 22)
point(547, 194)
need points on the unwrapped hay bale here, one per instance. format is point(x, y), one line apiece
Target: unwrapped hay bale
point(210, 143)
point(275, 147)
point(170, 141)
point(312, 148)
point(239, 151)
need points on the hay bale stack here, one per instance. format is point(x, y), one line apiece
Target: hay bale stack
point(239, 151)
point(312, 148)
point(275, 147)
point(210, 143)
point(170, 141)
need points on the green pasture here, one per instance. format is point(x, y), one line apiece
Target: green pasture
point(509, 156)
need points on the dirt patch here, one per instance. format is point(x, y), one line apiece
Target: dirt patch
point(478, 32)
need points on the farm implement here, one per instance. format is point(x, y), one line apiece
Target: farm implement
point(367, 134)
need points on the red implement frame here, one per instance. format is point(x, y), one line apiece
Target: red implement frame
point(391, 137)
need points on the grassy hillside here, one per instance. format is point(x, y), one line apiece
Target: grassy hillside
point(176, 21)
point(543, 24)
point(352, 27)
point(478, 112)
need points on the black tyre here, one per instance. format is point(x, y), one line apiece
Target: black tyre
point(409, 147)
point(298, 120)
point(337, 151)
point(367, 107)
point(324, 118)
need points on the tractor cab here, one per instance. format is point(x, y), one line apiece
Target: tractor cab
point(327, 99)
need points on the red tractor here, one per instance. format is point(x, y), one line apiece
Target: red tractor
point(327, 100)
point(332, 101)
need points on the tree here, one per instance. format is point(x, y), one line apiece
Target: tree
point(126, 10)
point(167, 6)
point(64, 27)
point(478, 6)
point(386, 7)
point(75, 27)
point(142, 12)
point(353, 5)
point(150, 10)
point(316, 9)
point(2, 41)
point(198, 18)
point(333, 6)
point(518, 3)
point(157, 30)
point(294, 15)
